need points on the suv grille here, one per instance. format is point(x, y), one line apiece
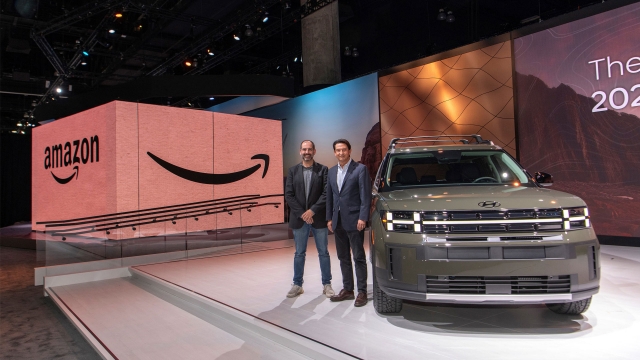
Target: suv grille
point(498, 284)
point(442, 222)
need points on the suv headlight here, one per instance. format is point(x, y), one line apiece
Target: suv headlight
point(401, 220)
point(576, 218)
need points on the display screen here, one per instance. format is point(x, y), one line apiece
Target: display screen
point(578, 91)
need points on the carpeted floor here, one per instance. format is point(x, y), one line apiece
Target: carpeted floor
point(31, 326)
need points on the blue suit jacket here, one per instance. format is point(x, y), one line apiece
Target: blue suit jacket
point(353, 201)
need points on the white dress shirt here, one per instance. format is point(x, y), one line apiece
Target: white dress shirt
point(342, 172)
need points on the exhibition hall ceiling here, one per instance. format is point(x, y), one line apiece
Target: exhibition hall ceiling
point(101, 44)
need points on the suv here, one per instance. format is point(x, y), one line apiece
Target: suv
point(463, 222)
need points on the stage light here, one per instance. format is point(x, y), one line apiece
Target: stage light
point(441, 15)
point(83, 63)
point(210, 52)
point(355, 52)
point(22, 132)
point(25, 115)
point(278, 67)
point(19, 123)
point(296, 59)
point(85, 53)
point(450, 17)
point(187, 63)
point(59, 90)
point(347, 51)
point(34, 103)
point(118, 14)
point(266, 17)
point(236, 37)
point(14, 131)
point(112, 31)
point(287, 5)
point(248, 32)
point(212, 98)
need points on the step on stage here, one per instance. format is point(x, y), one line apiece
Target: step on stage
point(234, 307)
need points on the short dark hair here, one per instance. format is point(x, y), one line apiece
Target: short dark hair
point(313, 146)
point(341, 141)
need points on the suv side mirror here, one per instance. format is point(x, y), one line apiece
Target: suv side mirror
point(543, 179)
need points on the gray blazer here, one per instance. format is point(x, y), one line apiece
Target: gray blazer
point(354, 199)
point(295, 196)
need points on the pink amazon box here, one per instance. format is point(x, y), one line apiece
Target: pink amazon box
point(123, 157)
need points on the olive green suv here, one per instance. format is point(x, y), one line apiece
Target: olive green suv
point(462, 222)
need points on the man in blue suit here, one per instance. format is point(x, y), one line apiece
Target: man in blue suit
point(348, 204)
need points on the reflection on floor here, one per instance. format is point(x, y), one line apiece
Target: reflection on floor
point(256, 284)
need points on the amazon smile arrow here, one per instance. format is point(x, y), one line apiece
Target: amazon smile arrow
point(212, 179)
point(63, 181)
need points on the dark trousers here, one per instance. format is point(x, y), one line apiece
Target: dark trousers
point(348, 242)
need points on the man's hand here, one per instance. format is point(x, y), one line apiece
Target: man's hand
point(361, 225)
point(329, 225)
point(307, 216)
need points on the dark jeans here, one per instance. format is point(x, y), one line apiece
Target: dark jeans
point(348, 242)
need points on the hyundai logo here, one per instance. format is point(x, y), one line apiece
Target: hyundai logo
point(489, 204)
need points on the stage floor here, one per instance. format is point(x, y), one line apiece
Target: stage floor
point(256, 283)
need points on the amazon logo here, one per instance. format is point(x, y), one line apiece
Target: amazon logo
point(213, 179)
point(72, 153)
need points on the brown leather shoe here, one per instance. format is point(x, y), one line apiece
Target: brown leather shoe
point(361, 300)
point(343, 295)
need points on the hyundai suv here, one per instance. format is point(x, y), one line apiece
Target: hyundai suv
point(462, 222)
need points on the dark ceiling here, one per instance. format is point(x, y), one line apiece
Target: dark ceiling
point(42, 41)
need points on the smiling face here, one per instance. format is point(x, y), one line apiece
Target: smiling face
point(307, 151)
point(342, 153)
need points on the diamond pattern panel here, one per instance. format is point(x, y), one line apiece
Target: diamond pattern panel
point(464, 94)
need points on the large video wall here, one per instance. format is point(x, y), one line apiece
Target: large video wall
point(471, 93)
point(578, 91)
point(348, 110)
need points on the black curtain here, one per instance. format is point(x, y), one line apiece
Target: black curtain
point(15, 178)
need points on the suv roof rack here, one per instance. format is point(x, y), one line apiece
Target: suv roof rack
point(421, 139)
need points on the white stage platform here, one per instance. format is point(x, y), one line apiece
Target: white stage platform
point(246, 315)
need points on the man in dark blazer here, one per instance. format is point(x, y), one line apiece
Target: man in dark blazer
point(305, 194)
point(348, 205)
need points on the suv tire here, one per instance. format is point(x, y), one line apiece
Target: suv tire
point(570, 308)
point(383, 303)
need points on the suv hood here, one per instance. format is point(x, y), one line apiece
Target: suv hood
point(467, 198)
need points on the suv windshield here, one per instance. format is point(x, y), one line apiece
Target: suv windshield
point(452, 167)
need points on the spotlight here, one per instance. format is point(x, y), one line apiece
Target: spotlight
point(58, 90)
point(85, 53)
point(296, 59)
point(210, 52)
point(118, 14)
point(236, 37)
point(187, 63)
point(83, 63)
point(441, 15)
point(355, 52)
point(266, 17)
point(347, 51)
point(212, 98)
point(450, 17)
point(19, 123)
point(112, 31)
point(248, 32)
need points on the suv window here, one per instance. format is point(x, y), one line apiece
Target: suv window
point(452, 167)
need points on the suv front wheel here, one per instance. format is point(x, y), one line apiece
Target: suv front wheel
point(570, 308)
point(382, 302)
